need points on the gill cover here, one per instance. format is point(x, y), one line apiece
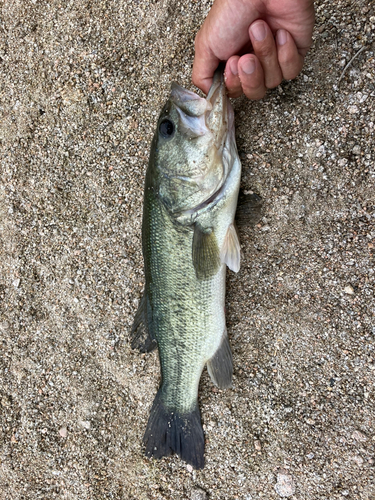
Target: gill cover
point(190, 164)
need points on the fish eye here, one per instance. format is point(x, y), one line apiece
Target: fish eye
point(166, 129)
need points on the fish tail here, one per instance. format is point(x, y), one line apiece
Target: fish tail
point(170, 431)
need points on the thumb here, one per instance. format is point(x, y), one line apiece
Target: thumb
point(205, 64)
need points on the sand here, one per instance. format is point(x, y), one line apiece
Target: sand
point(81, 86)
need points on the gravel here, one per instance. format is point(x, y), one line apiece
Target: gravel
point(81, 85)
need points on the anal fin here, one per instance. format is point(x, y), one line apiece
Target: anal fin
point(141, 338)
point(220, 366)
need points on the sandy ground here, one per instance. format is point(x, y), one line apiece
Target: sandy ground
point(81, 85)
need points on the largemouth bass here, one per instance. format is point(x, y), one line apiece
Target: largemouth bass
point(189, 238)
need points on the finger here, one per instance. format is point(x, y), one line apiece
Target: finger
point(232, 79)
point(290, 60)
point(251, 76)
point(265, 49)
point(205, 64)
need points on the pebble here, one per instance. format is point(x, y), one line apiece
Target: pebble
point(285, 486)
point(359, 436)
point(198, 494)
point(86, 424)
point(257, 445)
point(358, 460)
point(349, 290)
point(63, 432)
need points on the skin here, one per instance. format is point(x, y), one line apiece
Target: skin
point(262, 42)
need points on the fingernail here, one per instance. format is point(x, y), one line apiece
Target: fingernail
point(234, 67)
point(248, 66)
point(259, 32)
point(281, 37)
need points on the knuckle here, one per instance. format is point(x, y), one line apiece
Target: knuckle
point(255, 96)
point(235, 93)
point(288, 60)
point(290, 74)
point(266, 51)
point(275, 82)
point(290, 68)
point(254, 93)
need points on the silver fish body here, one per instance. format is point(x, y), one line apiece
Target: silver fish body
point(190, 200)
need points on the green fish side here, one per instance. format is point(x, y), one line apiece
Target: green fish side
point(185, 315)
point(189, 238)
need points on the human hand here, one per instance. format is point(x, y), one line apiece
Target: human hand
point(262, 42)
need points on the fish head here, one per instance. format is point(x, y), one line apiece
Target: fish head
point(190, 150)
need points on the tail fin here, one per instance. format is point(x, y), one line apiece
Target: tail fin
point(169, 431)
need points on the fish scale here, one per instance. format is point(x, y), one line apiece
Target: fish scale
point(182, 308)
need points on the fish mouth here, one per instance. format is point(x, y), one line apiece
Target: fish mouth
point(213, 114)
point(212, 117)
point(219, 115)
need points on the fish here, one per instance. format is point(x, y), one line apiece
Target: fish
point(188, 239)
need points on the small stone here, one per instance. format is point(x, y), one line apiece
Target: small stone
point(353, 109)
point(198, 494)
point(359, 436)
point(257, 445)
point(342, 162)
point(358, 460)
point(356, 150)
point(16, 283)
point(285, 486)
point(189, 468)
point(86, 424)
point(349, 290)
point(63, 432)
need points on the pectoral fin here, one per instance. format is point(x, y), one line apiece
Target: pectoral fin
point(205, 253)
point(248, 209)
point(140, 333)
point(231, 252)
